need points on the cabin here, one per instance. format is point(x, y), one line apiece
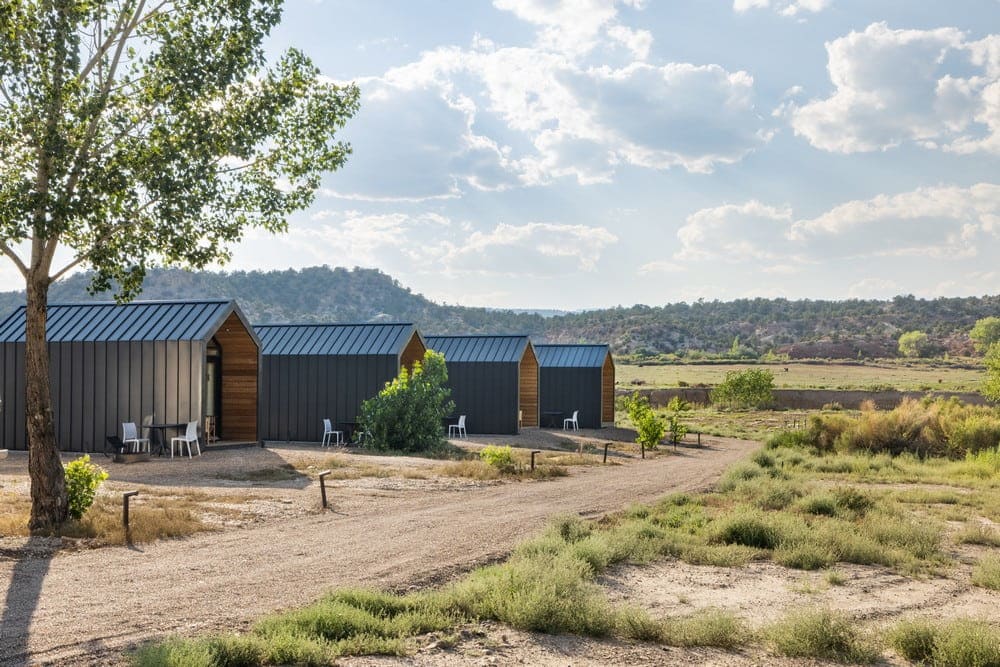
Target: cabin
point(577, 377)
point(160, 362)
point(315, 371)
point(493, 380)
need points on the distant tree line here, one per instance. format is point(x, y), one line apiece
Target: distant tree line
point(740, 329)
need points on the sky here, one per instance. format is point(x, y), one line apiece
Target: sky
point(586, 153)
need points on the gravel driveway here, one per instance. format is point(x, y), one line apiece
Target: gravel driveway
point(88, 607)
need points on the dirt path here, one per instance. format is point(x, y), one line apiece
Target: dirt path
point(87, 607)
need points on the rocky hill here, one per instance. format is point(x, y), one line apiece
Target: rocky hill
point(833, 329)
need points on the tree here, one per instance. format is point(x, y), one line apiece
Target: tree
point(649, 428)
point(914, 344)
point(748, 388)
point(136, 134)
point(991, 385)
point(985, 332)
point(407, 414)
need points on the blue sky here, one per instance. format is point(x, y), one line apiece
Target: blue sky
point(586, 153)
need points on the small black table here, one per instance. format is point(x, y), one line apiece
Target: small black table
point(552, 418)
point(160, 431)
point(348, 427)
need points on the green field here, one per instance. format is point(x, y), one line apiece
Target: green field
point(904, 376)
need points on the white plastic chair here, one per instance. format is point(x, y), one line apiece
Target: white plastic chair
point(458, 429)
point(187, 439)
point(329, 434)
point(572, 421)
point(131, 439)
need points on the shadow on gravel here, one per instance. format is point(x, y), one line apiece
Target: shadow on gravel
point(23, 592)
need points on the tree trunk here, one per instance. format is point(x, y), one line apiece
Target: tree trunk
point(48, 484)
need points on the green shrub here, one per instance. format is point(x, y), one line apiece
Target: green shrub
point(498, 457)
point(820, 634)
point(710, 627)
point(804, 556)
point(650, 429)
point(986, 573)
point(790, 439)
point(915, 344)
point(967, 643)
point(742, 389)
point(914, 640)
point(748, 528)
point(82, 480)
point(407, 414)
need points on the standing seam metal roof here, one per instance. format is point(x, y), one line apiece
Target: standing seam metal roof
point(571, 356)
point(334, 339)
point(136, 321)
point(481, 349)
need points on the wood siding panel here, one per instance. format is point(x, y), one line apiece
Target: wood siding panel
point(608, 391)
point(240, 372)
point(413, 352)
point(528, 389)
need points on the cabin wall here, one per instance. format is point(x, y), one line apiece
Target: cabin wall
point(487, 394)
point(240, 373)
point(98, 385)
point(528, 399)
point(565, 389)
point(299, 391)
point(608, 392)
point(413, 352)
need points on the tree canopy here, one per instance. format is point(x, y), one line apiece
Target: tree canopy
point(985, 332)
point(135, 134)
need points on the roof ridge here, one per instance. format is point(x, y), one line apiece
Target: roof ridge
point(337, 324)
point(137, 302)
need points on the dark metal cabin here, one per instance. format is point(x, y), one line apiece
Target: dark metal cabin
point(578, 377)
point(317, 371)
point(153, 361)
point(492, 380)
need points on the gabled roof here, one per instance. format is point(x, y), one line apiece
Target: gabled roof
point(136, 321)
point(479, 348)
point(571, 356)
point(334, 339)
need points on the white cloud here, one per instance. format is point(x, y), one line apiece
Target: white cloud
point(942, 222)
point(929, 87)
point(783, 7)
point(578, 26)
point(532, 249)
point(873, 288)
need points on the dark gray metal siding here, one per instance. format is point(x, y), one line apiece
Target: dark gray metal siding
point(312, 372)
point(569, 378)
point(98, 385)
point(565, 389)
point(486, 393)
point(483, 375)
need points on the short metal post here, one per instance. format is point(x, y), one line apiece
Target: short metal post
point(125, 499)
point(533, 452)
point(606, 451)
point(642, 448)
point(699, 438)
point(322, 486)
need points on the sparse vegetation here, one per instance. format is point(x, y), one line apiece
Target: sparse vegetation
point(957, 643)
point(822, 634)
point(986, 573)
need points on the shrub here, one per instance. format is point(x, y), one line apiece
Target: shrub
point(407, 414)
point(914, 344)
point(82, 480)
point(498, 457)
point(985, 333)
point(914, 640)
point(967, 643)
point(820, 634)
point(748, 388)
point(650, 429)
point(749, 529)
point(986, 573)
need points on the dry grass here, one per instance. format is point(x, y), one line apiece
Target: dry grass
point(903, 376)
point(282, 473)
point(152, 516)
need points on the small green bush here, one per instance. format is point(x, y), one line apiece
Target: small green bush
point(967, 643)
point(986, 573)
point(820, 634)
point(82, 480)
point(498, 457)
point(650, 429)
point(743, 389)
point(914, 640)
point(748, 528)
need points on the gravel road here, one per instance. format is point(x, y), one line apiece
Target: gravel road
point(88, 607)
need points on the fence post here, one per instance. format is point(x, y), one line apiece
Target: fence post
point(642, 448)
point(606, 445)
point(533, 452)
point(125, 500)
point(322, 486)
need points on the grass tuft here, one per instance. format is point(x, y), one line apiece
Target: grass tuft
point(986, 573)
point(820, 634)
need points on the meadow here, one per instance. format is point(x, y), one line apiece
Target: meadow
point(923, 375)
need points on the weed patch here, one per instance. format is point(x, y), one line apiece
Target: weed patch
point(820, 634)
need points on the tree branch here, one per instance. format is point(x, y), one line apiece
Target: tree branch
point(18, 262)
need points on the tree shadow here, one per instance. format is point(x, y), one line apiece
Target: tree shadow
point(31, 565)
